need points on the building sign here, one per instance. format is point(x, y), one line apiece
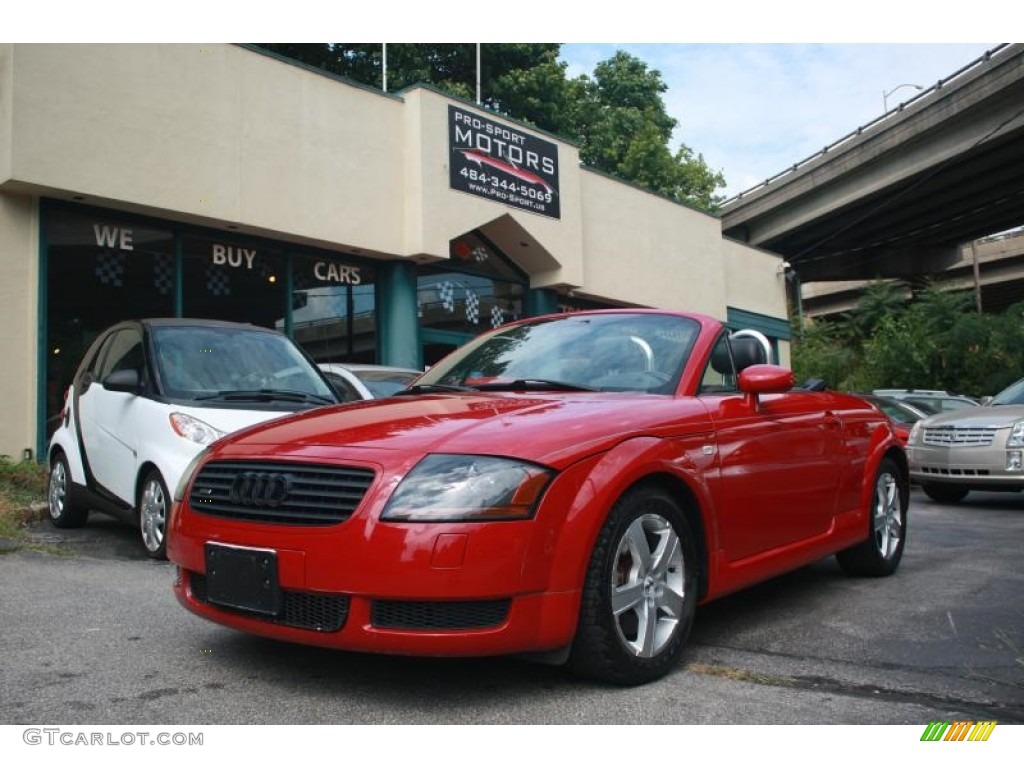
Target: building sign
point(503, 164)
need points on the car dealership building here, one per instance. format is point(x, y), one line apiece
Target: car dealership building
point(220, 181)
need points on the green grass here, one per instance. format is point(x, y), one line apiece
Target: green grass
point(21, 484)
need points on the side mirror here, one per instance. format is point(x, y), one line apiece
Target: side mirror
point(124, 381)
point(764, 379)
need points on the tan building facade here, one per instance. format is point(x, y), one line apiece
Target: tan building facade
point(220, 181)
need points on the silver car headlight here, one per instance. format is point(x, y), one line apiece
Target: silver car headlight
point(1016, 439)
point(915, 434)
point(452, 487)
point(193, 429)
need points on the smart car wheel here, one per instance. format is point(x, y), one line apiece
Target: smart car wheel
point(880, 553)
point(944, 494)
point(64, 512)
point(640, 592)
point(154, 505)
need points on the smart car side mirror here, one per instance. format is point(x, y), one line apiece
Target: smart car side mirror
point(126, 380)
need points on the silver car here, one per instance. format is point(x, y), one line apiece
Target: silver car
point(979, 448)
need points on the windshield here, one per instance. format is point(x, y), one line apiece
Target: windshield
point(383, 383)
point(1012, 395)
point(203, 361)
point(616, 352)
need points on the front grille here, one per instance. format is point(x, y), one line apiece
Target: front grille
point(277, 492)
point(965, 436)
point(421, 615)
point(302, 610)
point(954, 472)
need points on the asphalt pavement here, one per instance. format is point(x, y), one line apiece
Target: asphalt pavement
point(91, 633)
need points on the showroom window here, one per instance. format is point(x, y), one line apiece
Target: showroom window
point(103, 267)
point(334, 309)
point(480, 290)
point(100, 269)
point(230, 280)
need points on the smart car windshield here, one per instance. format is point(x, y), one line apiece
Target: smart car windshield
point(1012, 395)
point(615, 352)
point(209, 363)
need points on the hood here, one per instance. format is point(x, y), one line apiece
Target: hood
point(551, 429)
point(996, 416)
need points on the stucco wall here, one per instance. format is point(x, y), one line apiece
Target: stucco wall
point(754, 280)
point(655, 252)
point(216, 133)
point(19, 232)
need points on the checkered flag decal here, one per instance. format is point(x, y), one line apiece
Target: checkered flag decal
point(302, 280)
point(163, 274)
point(472, 307)
point(497, 316)
point(217, 281)
point(110, 268)
point(446, 291)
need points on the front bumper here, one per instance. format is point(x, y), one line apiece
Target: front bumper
point(977, 467)
point(455, 589)
point(354, 622)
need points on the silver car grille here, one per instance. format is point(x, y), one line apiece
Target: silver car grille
point(966, 436)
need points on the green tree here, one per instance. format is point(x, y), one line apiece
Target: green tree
point(618, 117)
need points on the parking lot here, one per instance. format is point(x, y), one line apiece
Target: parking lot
point(92, 634)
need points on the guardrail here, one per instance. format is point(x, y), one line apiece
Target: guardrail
point(980, 61)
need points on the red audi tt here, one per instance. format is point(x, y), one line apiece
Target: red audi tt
point(569, 487)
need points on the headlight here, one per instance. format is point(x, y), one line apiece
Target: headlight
point(193, 429)
point(1016, 439)
point(186, 476)
point(915, 434)
point(445, 487)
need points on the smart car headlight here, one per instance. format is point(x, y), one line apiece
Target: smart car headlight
point(451, 487)
point(193, 429)
point(1016, 439)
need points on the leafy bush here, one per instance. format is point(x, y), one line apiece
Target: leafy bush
point(936, 341)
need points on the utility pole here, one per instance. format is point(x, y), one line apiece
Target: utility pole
point(977, 275)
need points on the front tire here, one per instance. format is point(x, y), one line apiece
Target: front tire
point(640, 593)
point(154, 505)
point(65, 511)
point(881, 552)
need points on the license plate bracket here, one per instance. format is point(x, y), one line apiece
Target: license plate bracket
point(243, 578)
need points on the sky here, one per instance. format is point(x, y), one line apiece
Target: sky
point(753, 110)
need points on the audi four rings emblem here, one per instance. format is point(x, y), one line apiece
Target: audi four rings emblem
point(260, 489)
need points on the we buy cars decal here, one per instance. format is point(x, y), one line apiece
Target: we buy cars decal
point(493, 160)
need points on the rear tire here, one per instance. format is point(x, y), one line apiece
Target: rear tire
point(880, 553)
point(944, 494)
point(65, 511)
point(640, 593)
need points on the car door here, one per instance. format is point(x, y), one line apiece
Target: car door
point(780, 465)
point(107, 434)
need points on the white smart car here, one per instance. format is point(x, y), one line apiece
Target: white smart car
point(149, 395)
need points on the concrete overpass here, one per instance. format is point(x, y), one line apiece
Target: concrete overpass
point(899, 197)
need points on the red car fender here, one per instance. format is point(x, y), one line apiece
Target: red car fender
point(884, 444)
point(600, 481)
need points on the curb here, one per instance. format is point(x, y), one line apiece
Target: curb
point(35, 512)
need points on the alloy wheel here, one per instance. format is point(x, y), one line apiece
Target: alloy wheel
point(648, 589)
